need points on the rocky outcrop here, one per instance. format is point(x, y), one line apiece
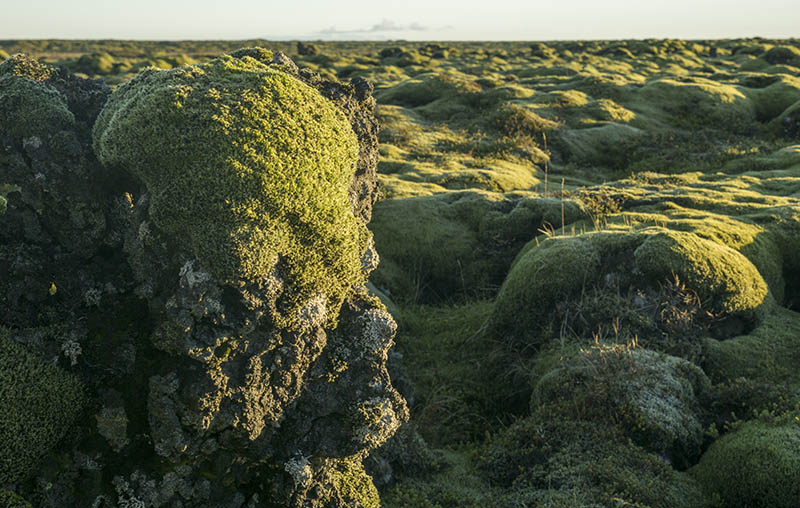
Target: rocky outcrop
point(204, 280)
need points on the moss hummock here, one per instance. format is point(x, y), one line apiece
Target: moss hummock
point(757, 465)
point(38, 403)
point(247, 165)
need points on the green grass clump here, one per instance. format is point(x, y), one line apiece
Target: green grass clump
point(38, 403)
point(245, 164)
point(757, 465)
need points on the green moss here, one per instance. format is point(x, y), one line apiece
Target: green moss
point(544, 461)
point(25, 67)
point(783, 55)
point(697, 102)
point(607, 145)
point(95, 64)
point(248, 166)
point(39, 402)
point(769, 353)
point(419, 91)
point(10, 499)
point(726, 281)
point(29, 108)
point(456, 483)
point(655, 399)
point(540, 278)
point(772, 100)
point(757, 465)
point(353, 484)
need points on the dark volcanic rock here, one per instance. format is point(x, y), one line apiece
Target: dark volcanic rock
point(244, 371)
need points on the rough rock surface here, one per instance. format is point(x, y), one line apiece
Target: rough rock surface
point(202, 392)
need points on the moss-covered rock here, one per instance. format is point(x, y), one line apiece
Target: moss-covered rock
point(39, 402)
point(756, 465)
point(247, 165)
point(32, 109)
point(561, 280)
point(541, 461)
point(540, 278)
point(655, 399)
point(726, 281)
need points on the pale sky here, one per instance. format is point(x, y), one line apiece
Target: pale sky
point(408, 19)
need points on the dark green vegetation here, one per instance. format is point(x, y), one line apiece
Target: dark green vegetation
point(594, 253)
point(40, 401)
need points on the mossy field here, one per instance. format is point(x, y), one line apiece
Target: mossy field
point(591, 249)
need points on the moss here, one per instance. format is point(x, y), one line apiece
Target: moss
point(726, 281)
point(769, 353)
point(607, 145)
point(463, 241)
point(30, 108)
point(772, 100)
point(697, 102)
point(419, 91)
point(39, 403)
point(655, 399)
point(456, 483)
point(757, 465)
point(783, 55)
point(543, 461)
point(25, 67)
point(353, 484)
point(539, 279)
point(248, 166)
point(95, 64)
point(10, 499)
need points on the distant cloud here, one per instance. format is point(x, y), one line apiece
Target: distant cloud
point(385, 26)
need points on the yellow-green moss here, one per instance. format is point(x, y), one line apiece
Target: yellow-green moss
point(354, 485)
point(245, 164)
point(726, 281)
point(38, 403)
point(755, 466)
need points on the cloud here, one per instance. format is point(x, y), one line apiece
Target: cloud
point(385, 26)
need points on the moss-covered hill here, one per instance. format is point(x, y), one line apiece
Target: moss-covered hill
point(593, 253)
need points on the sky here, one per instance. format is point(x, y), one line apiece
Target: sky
point(390, 19)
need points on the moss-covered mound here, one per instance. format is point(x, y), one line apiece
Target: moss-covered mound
point(38, 403)
point(563, 463)
point(30, 108)
point(557, 281)
point(755, 466)
point(655, 399)
point(247, 165)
